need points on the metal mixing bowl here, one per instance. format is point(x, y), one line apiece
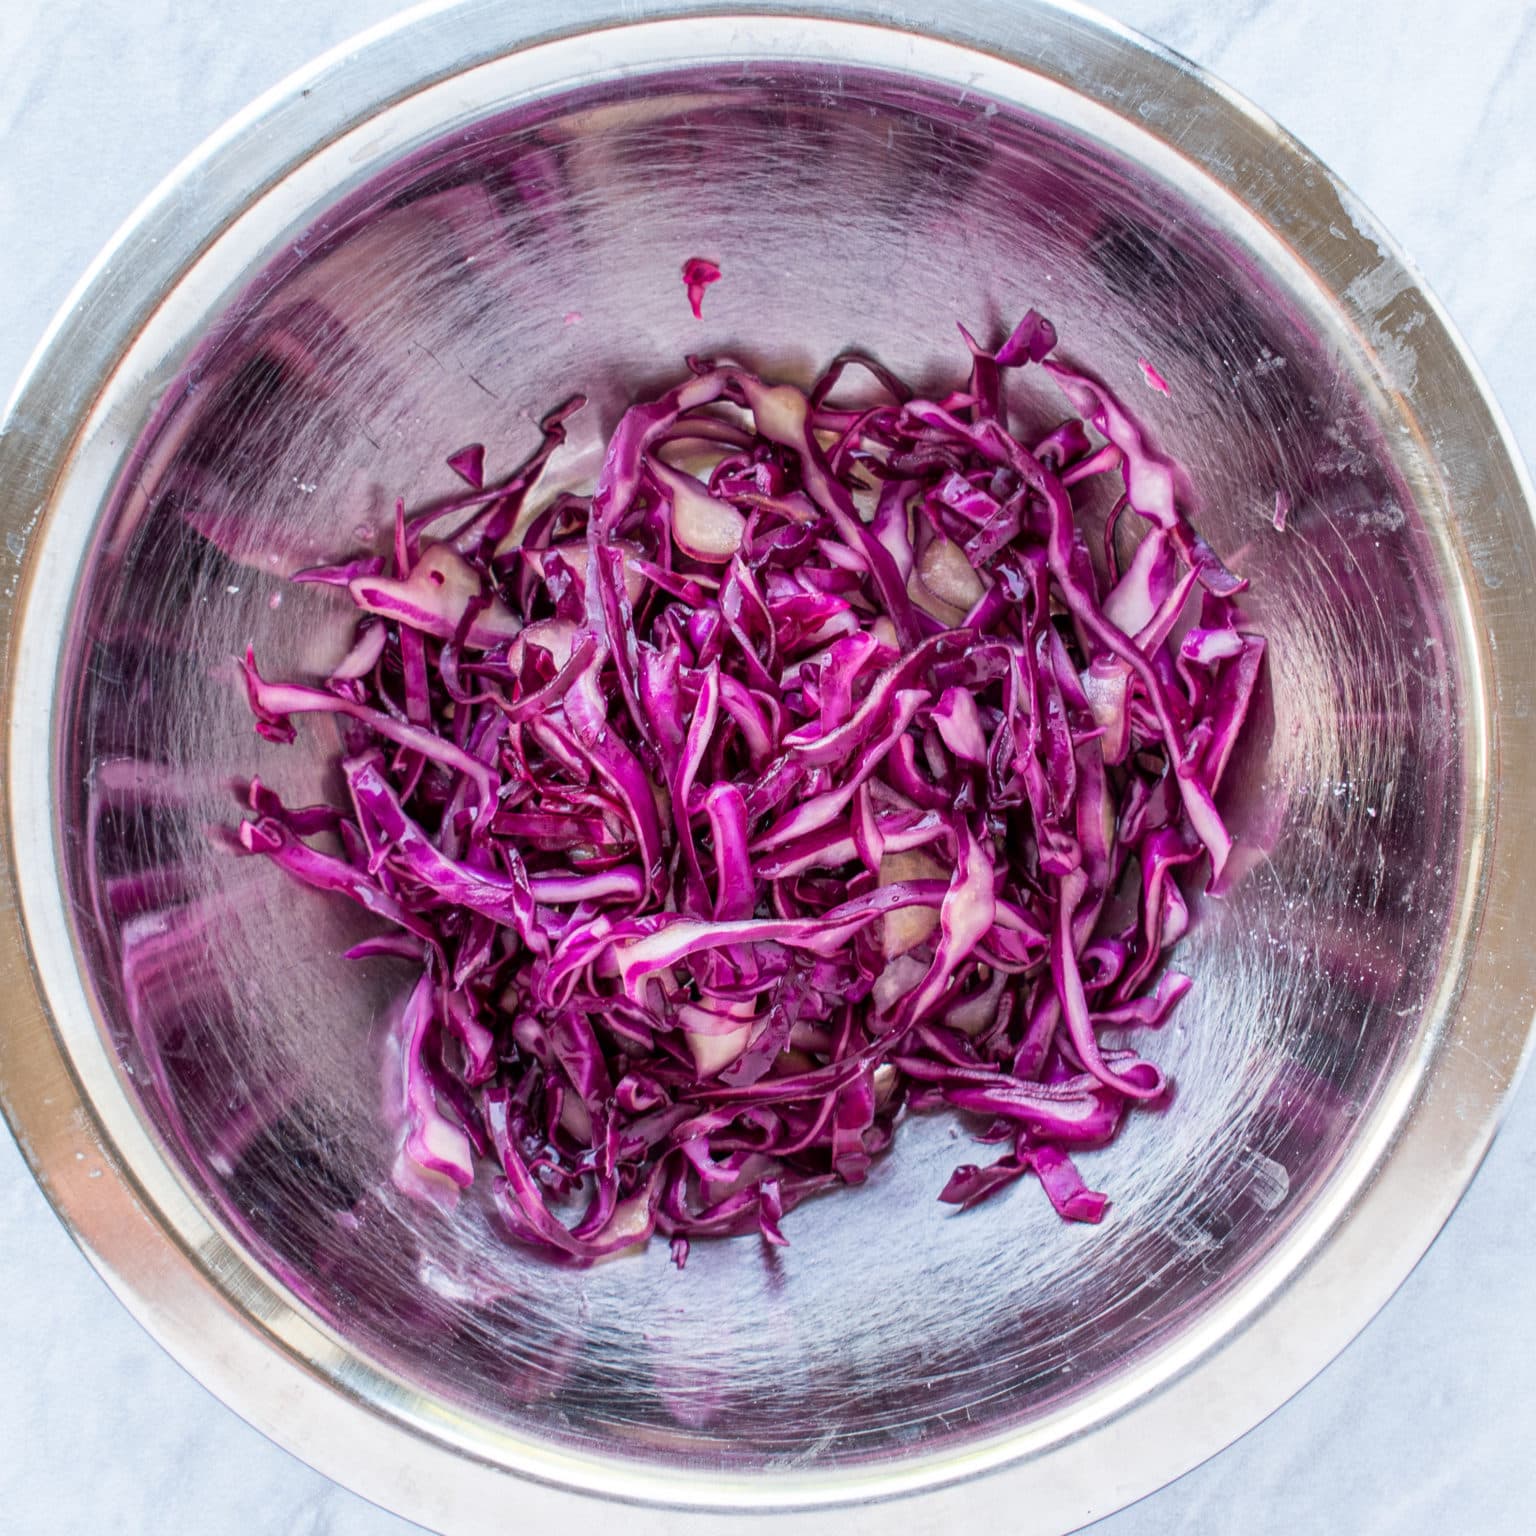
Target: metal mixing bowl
point(430, 238)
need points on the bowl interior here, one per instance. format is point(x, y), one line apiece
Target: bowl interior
point(480, 280)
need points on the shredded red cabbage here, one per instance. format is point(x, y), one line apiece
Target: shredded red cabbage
point(813, 768)
point(1154, 379)
point(698, 274)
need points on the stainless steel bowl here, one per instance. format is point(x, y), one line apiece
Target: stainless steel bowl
point(427, 239)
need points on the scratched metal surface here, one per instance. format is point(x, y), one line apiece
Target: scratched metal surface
point(467, 293)
point(497, 260)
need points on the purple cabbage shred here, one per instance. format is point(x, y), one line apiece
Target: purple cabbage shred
point(698, 274)
point(827, 763)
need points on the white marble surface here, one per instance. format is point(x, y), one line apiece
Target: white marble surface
point(1426, 1424)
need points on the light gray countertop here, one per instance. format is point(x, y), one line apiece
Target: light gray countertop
point(1426, 1424)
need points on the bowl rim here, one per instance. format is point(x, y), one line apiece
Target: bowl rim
point(1417, 1149)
